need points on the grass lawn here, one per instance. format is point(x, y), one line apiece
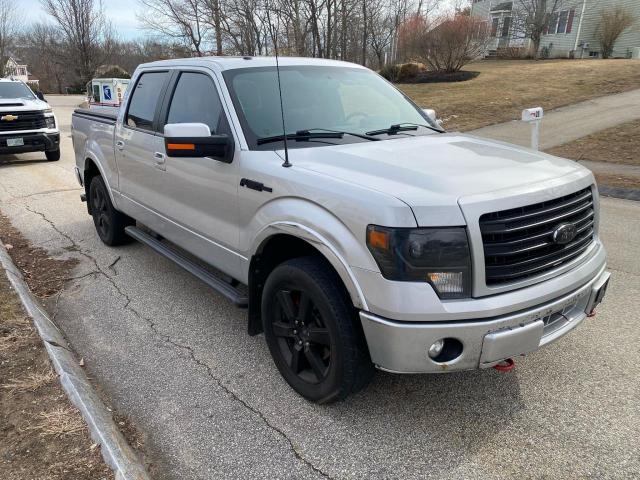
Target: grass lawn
point(505, 87)
point(620, 145)
point(43, 435)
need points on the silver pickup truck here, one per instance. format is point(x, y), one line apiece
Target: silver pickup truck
point(366, 237)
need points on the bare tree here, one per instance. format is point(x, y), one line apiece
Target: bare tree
point(83, 28)
point(185, 20)
point(449, 43)
point(611, 25)
point(531, 20)
point(9, 27)
point(39, 47)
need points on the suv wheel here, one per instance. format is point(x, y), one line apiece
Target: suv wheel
point(109, 222)
point(312, 332)
point(53, 155)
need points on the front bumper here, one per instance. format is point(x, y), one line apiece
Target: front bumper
point(33, 142)
point(401, 347)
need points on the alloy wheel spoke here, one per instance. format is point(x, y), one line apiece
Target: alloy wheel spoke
point(319, 336)
point(286, 303)
point(316, 363)
point(281, 329)
point(304, 308)
point(296, 356)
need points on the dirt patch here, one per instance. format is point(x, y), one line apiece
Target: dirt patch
point(43, 435)
point(44, 275)
point(505, 87)
point(617, 145)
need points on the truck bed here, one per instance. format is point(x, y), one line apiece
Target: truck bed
point(93, 140)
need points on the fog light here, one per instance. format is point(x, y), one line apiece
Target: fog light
point(436, 348)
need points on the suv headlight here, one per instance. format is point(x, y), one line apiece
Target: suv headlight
point(50, 122)
point(439, 256)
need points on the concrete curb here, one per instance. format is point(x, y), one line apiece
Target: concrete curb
point(116, 451)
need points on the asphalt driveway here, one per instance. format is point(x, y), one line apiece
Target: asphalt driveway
point(208, 402)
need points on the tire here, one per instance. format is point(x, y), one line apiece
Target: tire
point(109, 222)
point(324, 356)
point(53, 155)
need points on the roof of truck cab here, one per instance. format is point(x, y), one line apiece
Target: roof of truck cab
point(230, 63)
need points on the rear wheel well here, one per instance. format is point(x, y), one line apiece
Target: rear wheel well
point(274, 251)
point(90, 171)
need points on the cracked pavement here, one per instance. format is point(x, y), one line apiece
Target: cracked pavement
point(175, 359)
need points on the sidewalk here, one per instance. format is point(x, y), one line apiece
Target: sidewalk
point(569, 123)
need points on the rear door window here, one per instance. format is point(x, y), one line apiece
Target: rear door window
point(144, 100)
point(195, 100)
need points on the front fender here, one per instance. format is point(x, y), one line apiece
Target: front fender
point(324, 246)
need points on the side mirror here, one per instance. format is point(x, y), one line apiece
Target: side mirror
point(431, 113)
point(195, 140)
point(40, 96)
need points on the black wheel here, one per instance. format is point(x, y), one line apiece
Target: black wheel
point(53, 155)
point(109, 222)
point(313, 332)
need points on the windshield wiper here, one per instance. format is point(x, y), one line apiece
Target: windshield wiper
point(312, 133)
point(400, 127)
point(353, 134)
point(300, 135)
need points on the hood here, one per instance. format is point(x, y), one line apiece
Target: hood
point(22, 105)
point(431, 173)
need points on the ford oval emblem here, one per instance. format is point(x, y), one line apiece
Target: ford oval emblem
point(564, 233)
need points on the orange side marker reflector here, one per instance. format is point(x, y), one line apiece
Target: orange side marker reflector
point(181, 146)
point(378, 239)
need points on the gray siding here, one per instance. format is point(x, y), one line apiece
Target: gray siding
point(564, 44)
point(630, 38)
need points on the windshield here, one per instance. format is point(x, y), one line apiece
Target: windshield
point(341, 99)
point(9, 90)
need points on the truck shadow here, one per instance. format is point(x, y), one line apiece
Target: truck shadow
point(14, 160)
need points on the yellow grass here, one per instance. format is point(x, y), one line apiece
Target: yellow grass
point(505, 87)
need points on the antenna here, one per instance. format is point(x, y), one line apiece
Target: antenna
point(286, 163)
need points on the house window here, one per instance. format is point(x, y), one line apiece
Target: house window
point(553, 23)
point(572, 14)
point(494, 27)
point(505, 26)
point(562, 21)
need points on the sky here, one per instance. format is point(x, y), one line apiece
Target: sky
point(121, 13)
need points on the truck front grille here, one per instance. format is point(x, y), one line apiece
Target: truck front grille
point(519, 244)
point(22, 121)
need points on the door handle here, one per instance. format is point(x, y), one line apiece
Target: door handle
point(120, 144)
point(159, 160)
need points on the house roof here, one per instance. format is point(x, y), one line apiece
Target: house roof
point(502, 6)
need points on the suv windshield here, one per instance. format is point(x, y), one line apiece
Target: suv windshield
point(338, 99)
point(10, 90)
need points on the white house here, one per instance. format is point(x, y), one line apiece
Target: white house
point(572, 30)
point(19, 72)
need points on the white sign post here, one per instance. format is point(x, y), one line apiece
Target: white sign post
point(534, 117)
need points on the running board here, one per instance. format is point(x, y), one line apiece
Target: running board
point(217, 284)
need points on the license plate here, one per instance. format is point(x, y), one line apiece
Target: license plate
point(15, 142)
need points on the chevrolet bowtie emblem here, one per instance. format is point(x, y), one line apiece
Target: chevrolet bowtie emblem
point(8, 118)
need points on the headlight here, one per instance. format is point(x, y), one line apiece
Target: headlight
point(439, 256)
point(50, 122)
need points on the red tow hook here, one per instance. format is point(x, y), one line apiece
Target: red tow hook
point(505, 365)
point(592, 313)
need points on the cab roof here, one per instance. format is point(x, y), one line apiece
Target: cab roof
point(230, 63)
